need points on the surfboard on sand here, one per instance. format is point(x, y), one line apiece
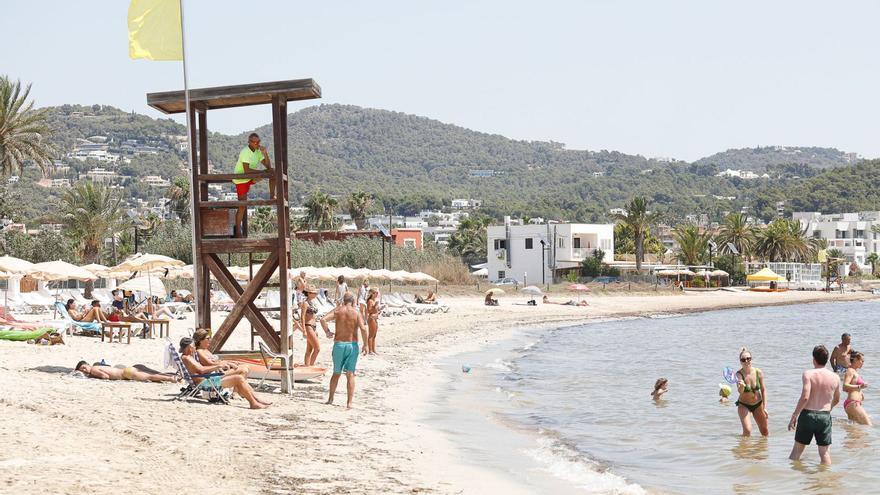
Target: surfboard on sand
point(258, 370)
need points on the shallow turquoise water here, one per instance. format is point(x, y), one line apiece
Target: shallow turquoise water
point(576, 401)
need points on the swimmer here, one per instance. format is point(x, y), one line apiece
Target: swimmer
point(660, 387)
point(853, 385)
point(752, 395)
point(724, 392)
point(840, 355)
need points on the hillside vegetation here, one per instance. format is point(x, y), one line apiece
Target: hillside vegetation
point(410, 162)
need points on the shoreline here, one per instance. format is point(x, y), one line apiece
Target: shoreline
point(299, 444)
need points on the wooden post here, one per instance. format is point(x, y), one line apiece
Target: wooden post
point(279, 128)
point(203, 311)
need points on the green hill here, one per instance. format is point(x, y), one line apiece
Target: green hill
point(412, 162)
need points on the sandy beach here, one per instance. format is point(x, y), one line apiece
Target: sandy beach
point(68, 435)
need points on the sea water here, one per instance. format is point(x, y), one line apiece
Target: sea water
point(569, 410)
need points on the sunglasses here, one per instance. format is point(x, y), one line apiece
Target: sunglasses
point(745, 359)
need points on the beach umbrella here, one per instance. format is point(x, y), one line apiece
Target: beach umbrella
point(719, 273)
point(424, 277)
point(578, 288)
point(97, 268)
point(60, 270)
point(532, 291)
point(686, 272)
point(667, 273)
point(403, 276)
point(15, 265)
point(381, 274)
point(151, 285)
point(147, 262)
point(702, 273)
point(495, 291)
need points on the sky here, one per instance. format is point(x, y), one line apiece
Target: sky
point(672, 78)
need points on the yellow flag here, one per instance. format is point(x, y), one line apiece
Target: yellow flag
point(154, 30)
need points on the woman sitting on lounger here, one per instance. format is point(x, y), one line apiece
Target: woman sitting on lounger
point(93, 314)
point(202, 340)
point(235, 382)
point(138, 372)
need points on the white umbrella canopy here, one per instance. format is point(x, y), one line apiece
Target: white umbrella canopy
point(719, 273)
point(403, 276)
point(97, 269)
point(424, 277)
point(532, 291)
point(146, 262)
point(60, 270)
point(667, 273)
point(381, 274)
point(15, 265)
point(686, 272)
point(150, 285)
point(180, 272)
point(702, 273)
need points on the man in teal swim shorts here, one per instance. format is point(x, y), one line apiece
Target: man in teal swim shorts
point(345, 343)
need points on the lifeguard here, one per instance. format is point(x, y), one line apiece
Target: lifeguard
point(251, 155)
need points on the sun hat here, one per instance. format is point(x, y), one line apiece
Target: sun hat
point(311, 288)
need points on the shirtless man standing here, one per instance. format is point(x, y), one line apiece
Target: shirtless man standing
point(345, 344)
point(840, 354)
point(812, 416)
point(128, 373)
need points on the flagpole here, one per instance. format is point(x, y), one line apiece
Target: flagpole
point(193, 187)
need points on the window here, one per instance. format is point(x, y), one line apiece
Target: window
point(409, 243)
point(817, 234)
point(577, 242)
point(529, 243)
point(501, 274)
point(560, 242)
point(500, 243)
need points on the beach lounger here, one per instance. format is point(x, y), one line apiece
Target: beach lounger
point(71, 325)
point(269, 356)
point(210, 384)
point(38, 303)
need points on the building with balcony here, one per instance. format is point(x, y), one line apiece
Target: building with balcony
point(532, 254)
point(851, 233)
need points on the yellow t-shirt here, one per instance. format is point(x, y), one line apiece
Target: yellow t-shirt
point(252, 158)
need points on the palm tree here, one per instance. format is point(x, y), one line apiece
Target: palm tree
point(320, 212)
point(264, 220)
point(91, 213)
point(693, 245)
point(178, 196)
point(639, 220)
point(359, 204)
point(784, 240)
point(469, 241)
point(23, 130)
point(739, 233)
point(873, 258)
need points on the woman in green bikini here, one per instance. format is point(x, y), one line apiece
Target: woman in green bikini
point(752, 395)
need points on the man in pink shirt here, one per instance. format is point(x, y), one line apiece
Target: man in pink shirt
point(812, 416)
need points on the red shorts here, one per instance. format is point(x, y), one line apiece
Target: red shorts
point(243, 188)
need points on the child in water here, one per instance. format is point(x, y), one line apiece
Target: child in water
point(724, 391)
point(660, 387)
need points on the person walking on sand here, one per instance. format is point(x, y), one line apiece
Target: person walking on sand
point(812, 416)
point(248, 158)
point(853, 385)
point(752, 395)
point(372, 321)
point(308, 314)
point(840, 354)
point(341, 290)
point(345, 344)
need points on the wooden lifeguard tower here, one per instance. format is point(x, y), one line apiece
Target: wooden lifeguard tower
point(212, 220)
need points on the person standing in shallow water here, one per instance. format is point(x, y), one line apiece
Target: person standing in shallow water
point(853, 385)
point(812, 416)
point(752, 395)
point(840, 354)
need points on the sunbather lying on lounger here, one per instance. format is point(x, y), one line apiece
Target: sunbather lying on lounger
point(175, 297)
point(431, 298)
point(202, 340)
point(570, 302)
point(93, 314)
point(138, 372)
point(235, 382)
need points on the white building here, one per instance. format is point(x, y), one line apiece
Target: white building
point(516, 251)
point(742, 174)
point(155, 181)
point(851, 233)
point(466, 204)
point(99, 174)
